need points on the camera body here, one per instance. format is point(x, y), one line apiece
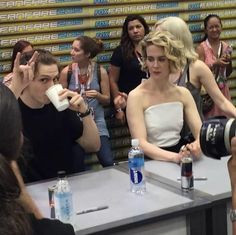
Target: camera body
point(215, 136)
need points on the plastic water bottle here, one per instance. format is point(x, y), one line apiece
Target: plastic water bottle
point(63, 199)
point(136, 168)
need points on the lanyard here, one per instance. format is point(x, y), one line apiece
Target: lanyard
point(78, 73)
point(139, 58)
point(219, 49)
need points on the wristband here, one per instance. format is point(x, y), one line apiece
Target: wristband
point(85, 114)
point(233, 215)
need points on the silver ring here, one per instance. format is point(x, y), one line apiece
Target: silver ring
point(182, 148)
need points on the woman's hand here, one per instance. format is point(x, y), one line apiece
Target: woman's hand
point(193, 149)
point(222, 61)
point(91, 93)
point(120, 100)
point(178, 156)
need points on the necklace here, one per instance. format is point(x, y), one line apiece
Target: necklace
point(219, 49)
point(82, 79)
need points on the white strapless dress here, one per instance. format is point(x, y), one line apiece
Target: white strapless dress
point(164, 123)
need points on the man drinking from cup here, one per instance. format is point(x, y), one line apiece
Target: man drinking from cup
point(49, 135)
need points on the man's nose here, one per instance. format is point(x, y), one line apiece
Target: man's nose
point(50, 83)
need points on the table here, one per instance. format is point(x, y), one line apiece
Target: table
point(162, 210)
point(217, 187)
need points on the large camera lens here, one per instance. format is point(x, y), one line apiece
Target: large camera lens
point(216, 135)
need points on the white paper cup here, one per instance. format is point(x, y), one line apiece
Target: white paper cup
point(52, 94)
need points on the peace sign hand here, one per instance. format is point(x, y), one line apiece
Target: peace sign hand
point(22, 74)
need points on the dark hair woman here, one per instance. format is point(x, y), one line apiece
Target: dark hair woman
point(125, 70)
point(14, 200)
point(91, 80)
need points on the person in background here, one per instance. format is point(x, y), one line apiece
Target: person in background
point(18, 214)
point(217, 56)
point(157, 108)
point(49, 135)
point(21, 46)
point(232, 174)
point(199, 73)
point(125, 70)
point(91, 81)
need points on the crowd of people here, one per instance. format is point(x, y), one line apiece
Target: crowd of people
point(154, 83)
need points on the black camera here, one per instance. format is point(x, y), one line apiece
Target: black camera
point(216, 135)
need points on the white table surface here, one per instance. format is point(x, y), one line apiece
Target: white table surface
point(109, 187)
point(216, 171)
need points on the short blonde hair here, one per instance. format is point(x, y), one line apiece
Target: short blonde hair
point(173, 49)
point(180, 30)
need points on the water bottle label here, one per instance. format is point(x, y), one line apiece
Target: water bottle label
point(136, 176)
point(136, 162)
point(63, 206)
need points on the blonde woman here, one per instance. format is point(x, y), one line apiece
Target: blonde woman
point(199, 73)
point(157, 108)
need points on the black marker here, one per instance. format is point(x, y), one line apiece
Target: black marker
point(99, 208)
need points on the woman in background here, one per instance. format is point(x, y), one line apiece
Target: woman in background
point(196, 73)
point(156, 108)
point(21, 46)
point(217, 55)
point(125, 70)
point(91, 80)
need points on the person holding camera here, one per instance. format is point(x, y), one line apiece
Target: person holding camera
point(157, 108)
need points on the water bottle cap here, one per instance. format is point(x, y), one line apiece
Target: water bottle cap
point(61, 174)
point(135, 142)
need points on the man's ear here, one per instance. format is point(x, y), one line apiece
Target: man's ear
point(88, 55)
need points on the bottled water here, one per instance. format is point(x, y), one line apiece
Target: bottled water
point(136, 168)
point(63, 199)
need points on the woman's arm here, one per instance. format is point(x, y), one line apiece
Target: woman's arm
point(114, 73)
point(136, 122)
point(208, 81)
point(232, 174)
point(118, 100)
point(191, 116)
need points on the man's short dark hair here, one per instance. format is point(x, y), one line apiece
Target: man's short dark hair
point(45, 57)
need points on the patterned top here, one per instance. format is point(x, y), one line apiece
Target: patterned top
point(98, 110)
point(221, 79)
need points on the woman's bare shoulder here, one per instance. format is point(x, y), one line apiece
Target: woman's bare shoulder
point(199, 66)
